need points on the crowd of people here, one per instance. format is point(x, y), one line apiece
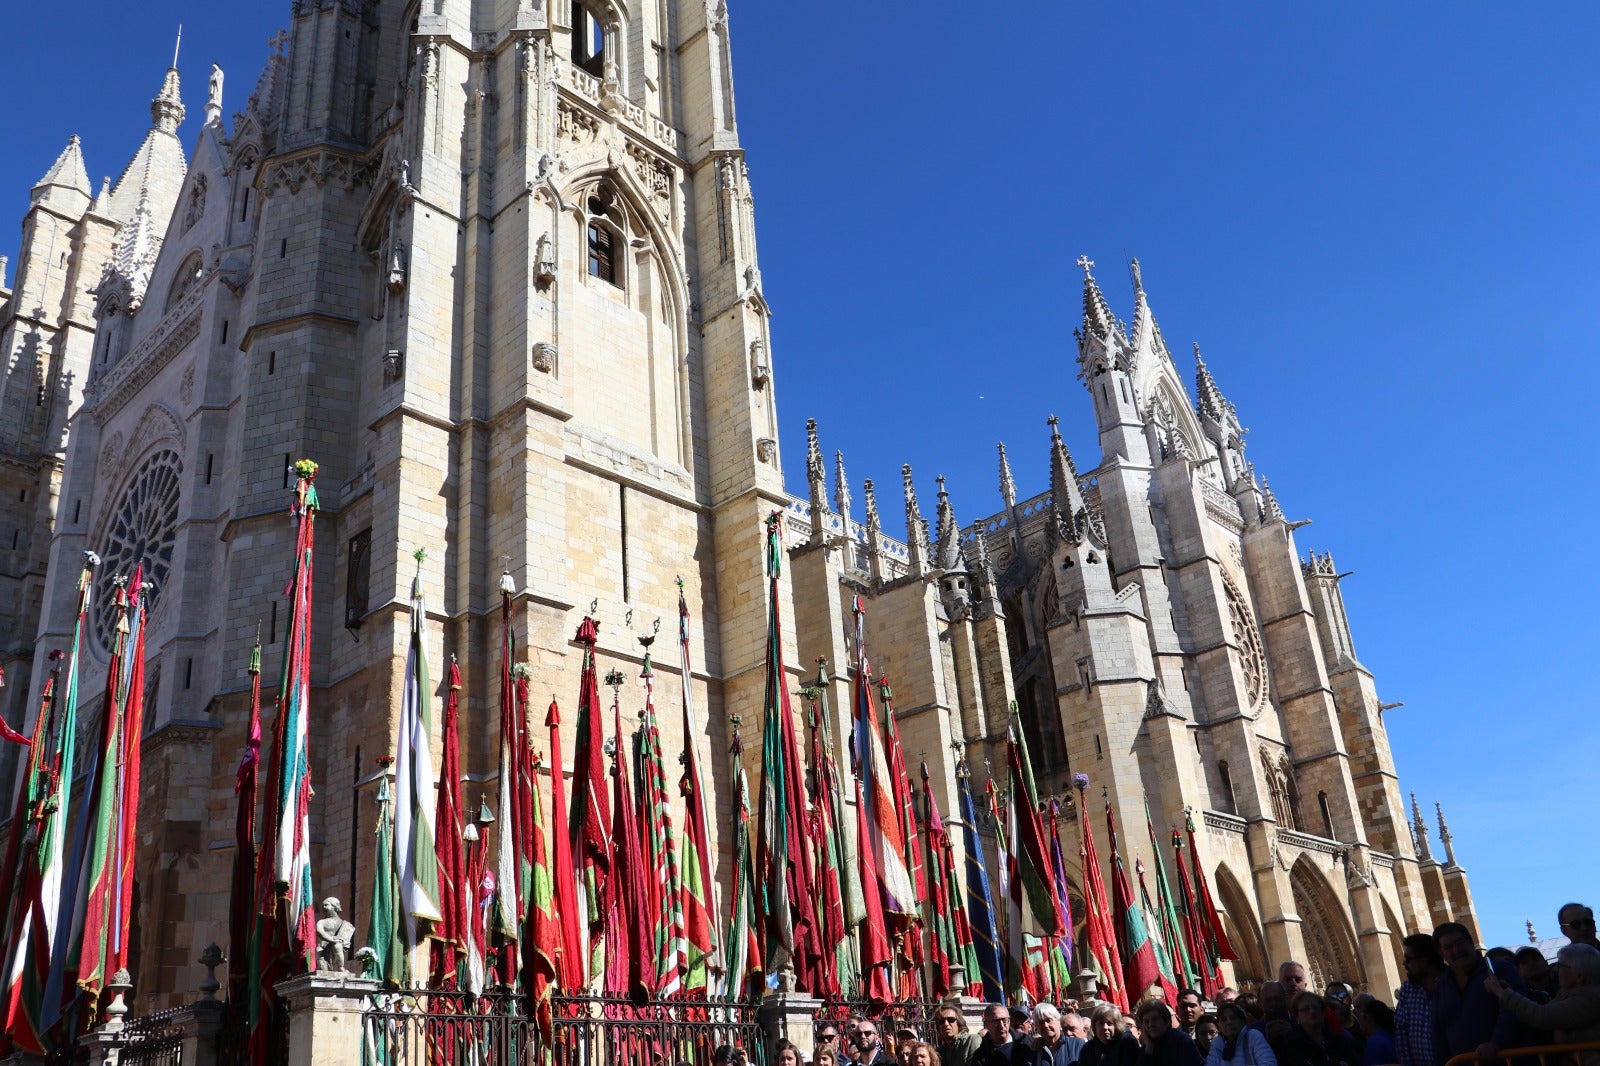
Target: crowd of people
point(1455, 1000)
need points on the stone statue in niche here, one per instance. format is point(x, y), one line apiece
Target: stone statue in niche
point(760, 371)
point(766, 449)
point(544, 357)
point(334, 936)
point(544, 263)
point(394, 366)
point(397, 267)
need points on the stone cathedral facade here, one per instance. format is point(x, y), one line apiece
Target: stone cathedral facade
point(492, 264)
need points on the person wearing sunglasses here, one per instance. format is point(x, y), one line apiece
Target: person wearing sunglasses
point(1574, 1015)
point(951, 1040)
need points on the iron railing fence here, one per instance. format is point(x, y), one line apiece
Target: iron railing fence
point(455, 1029)
point(154, 1040)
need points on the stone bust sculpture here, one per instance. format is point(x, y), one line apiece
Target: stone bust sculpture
point(334, 936)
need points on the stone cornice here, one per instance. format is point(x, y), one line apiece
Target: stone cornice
point(181, 731)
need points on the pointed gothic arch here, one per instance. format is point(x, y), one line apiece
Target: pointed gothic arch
point(1396, 934)
point(1244, 931)
point(1332, 953)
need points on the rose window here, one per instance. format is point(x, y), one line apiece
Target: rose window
point(142, 528)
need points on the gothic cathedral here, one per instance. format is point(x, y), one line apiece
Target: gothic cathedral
point(492, 264)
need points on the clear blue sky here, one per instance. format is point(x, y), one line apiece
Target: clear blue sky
point(1378, 220)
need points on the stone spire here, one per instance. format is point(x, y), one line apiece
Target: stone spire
point(1213, 404)
point(1419, 829)
point(1270, 510)
point(841, 503)
point(816, 480)
point(68, 171)
point(1065, 496)
point(1444, 837)
point(948, 556)
point(157, 169)
point(916, 528)
point(1008, 485)
point(1097, 317)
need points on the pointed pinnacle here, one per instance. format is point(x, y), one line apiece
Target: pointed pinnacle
point(871, 497)
point(1213, 404)
point(816, 473)
point(949, 550)
point(916, 528)
point(1008, 486)
point(1097, 316)
point(841, 487)
point(1270, 508)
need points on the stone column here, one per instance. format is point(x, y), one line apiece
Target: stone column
point(325, 1012)
point(790, 1016)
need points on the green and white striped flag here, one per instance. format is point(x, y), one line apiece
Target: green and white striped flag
point(415, 860)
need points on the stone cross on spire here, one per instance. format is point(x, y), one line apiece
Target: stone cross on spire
point(1419, 828)
point(1087, 264)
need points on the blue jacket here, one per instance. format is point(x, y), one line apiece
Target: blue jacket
point(1063, 1054)
point(1465, 1017)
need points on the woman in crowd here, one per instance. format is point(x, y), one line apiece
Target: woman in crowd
point(1109, 1045)
point(1574, 1013)
point(1310, 1041)
point(1237, 1044)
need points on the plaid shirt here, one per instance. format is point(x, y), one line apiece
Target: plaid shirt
point(1413, 1025)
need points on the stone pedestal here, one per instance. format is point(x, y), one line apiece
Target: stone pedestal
point(201, 1024)
point(104, 1044)
point(325, 1012)
point(791, 1016)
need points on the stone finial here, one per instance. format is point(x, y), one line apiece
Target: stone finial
point(1445, 838)
point(916, 529)
point(211, 958)
point(1008, 484)
point(1419, 829)
point(874, 528)
point(1533, 938)
point(816, 482)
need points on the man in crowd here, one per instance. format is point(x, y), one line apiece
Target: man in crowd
point(1577, 924)
point(1413, 1002)
point(1075, 1024)
point(956, 1046)
point(1292, 976)
point(1189, 1011)
point(1466, 1015)
point(869, 1045)
point(997, 1047)
point(828, 1039)
point(1055, 1046)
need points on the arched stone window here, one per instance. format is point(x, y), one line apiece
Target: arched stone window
point(1280, 784)
point(184, 281)
point(589, 40)
point(605, 236)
